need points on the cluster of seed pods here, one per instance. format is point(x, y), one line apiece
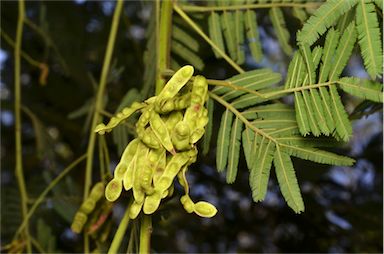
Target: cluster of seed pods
point(168, 128)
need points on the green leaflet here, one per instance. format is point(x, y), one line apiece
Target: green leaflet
point(187, 54)
point(185, 38)
point(247, 139)
point(214, 27)
point(331, 41)
point(312, 60)
point(316, 155)
point(379, 4)
point(223, 141)
point(300, 141)
point(274, 123)
point(362, 88)
point(323, 18)
point(343, 52)
point(261, 167)
point(343, 126)
point(234, 150)
point(278, 22)
point(345, 20)
point(252, 32)
point(208, 129)
point(249, 99)
point(370, 43)
point(276, 111)
point(255, 79)
point(301, 114)
point(265, 80)
point(239, 30)
point(227, 25)
point(288, 181)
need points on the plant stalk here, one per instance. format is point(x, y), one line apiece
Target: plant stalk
point(18, 141)
point(145, 234)
point(120, 232)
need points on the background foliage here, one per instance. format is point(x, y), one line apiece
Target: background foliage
point(343, 204)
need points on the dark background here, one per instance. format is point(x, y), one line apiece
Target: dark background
point(343, 204)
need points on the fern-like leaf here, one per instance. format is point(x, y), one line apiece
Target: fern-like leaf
point(239, 38)
point(234, 150)
point(365, 89)
point(368, 30)
point(227, 24)
point(252, 32)
point(323, 18)
point(214, 27)
point(288, 181)
point(343, 126)
point(278, 22)
point(188, 55)
point(223, 141)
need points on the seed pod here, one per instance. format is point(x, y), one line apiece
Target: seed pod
point(180, 136)
point(152, 202)
point(120, 170)
point(146, 179)
point(97, 191)
point(174, 104)
point(205, 209)
point(172, 119)
point(173, 167)
point(88, 205)
point(183, 179)
point(187, 203)
point(173, 86)
point(160, 167)
point(161, 132)
point(129, 174)
point(78, 222)
point(113, 190)
point(121, 116)
point(130, 151)
point(134, 209)
point(141, 160)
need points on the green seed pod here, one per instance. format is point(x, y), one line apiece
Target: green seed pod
point(180, 136)
point(172, 119)
point(151, 203)
point(174, 104)
point(113, 190)
point(134, 209)
point(88, 205)
point(121, 116)
point(187, 203)
point(141, 160)
point(130, 151)
point(183, 179)
point(146, 179)
point(173, 167)
point(129, 174)
point(78, 222)
point(196, 135)
point(120, 170)
point(173, 86)
point(97, 191)
point(161, 132)
point(160, 167)
point(205, 209)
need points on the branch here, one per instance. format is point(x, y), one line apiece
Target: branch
point(18, 142)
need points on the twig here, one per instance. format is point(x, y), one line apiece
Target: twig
point(18, 142)
point(145, 234)
point(120, 232)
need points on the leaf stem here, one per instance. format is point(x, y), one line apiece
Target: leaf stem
point(18, 141)
point(120, 232)
point(240, 116)
point(206, 38)
point(194, 8)
point(145, 234)
point(41, 197)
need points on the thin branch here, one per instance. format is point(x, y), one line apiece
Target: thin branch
point(18, 142)
point(42, 196)
point(194, 8)
point(206, 38)
point(145, 234)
